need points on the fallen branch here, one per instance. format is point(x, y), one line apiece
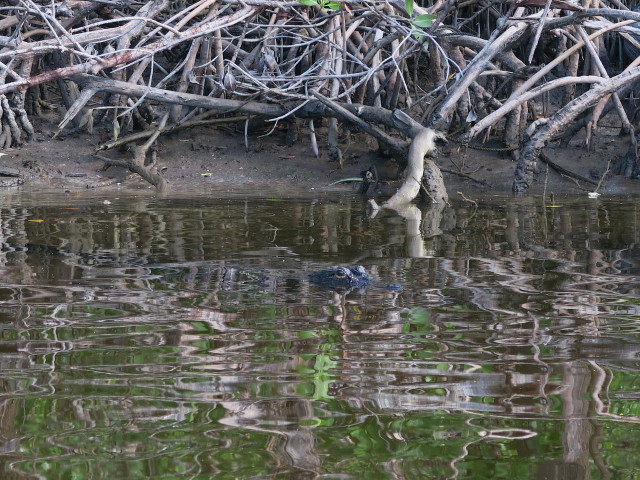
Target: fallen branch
point(560, 169)
point(464, 175)
point(137, 163)
point(186, 99)
point(396, 146)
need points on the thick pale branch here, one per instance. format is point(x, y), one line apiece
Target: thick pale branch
point(560, 121)
point(473, 71)
point(186, 99)
point(496, 115)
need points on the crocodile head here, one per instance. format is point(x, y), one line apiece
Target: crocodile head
point(342, 278)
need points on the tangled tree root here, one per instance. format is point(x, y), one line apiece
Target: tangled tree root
point(284, 60)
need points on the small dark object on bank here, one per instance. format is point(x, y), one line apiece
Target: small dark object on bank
point(369, 177)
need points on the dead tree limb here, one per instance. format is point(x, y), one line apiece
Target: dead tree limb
point(495, 46)
point(223, 105)
point(558, 122)
point(396, 146)
point(137, 164)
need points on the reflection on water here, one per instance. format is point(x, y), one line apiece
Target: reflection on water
point(169, 338)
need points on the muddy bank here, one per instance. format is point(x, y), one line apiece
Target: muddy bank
point(215, 159)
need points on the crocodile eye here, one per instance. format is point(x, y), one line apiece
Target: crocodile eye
point(341, 272)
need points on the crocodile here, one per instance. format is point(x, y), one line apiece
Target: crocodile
point(346, 279)
point(340, 279)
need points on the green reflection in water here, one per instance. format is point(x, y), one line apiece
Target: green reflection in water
point(180, 338)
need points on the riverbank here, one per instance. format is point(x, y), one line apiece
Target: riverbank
point(216, 159)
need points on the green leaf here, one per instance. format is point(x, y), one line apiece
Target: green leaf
point(333, 5)
point(116, 129)
point(309, 3)
point(424, 20)
point(417, 34)
point(419, 315)
point(408, 4)
point(87, 120)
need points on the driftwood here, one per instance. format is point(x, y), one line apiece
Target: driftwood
point(137, 164)
point(423, 143)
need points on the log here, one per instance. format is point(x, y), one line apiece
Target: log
point(186, 99)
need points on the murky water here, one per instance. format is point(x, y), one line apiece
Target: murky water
point(181, 338)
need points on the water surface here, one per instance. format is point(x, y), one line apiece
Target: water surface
point(181, 338)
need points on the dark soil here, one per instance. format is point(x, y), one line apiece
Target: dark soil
point(215, 159)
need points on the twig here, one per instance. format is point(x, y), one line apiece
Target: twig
point(467, 199)
point(464, 175)
point(603, 176)
point(565, 171)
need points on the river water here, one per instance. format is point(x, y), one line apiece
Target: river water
point(180, 338)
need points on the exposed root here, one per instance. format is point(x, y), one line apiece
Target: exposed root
point(356, 61)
